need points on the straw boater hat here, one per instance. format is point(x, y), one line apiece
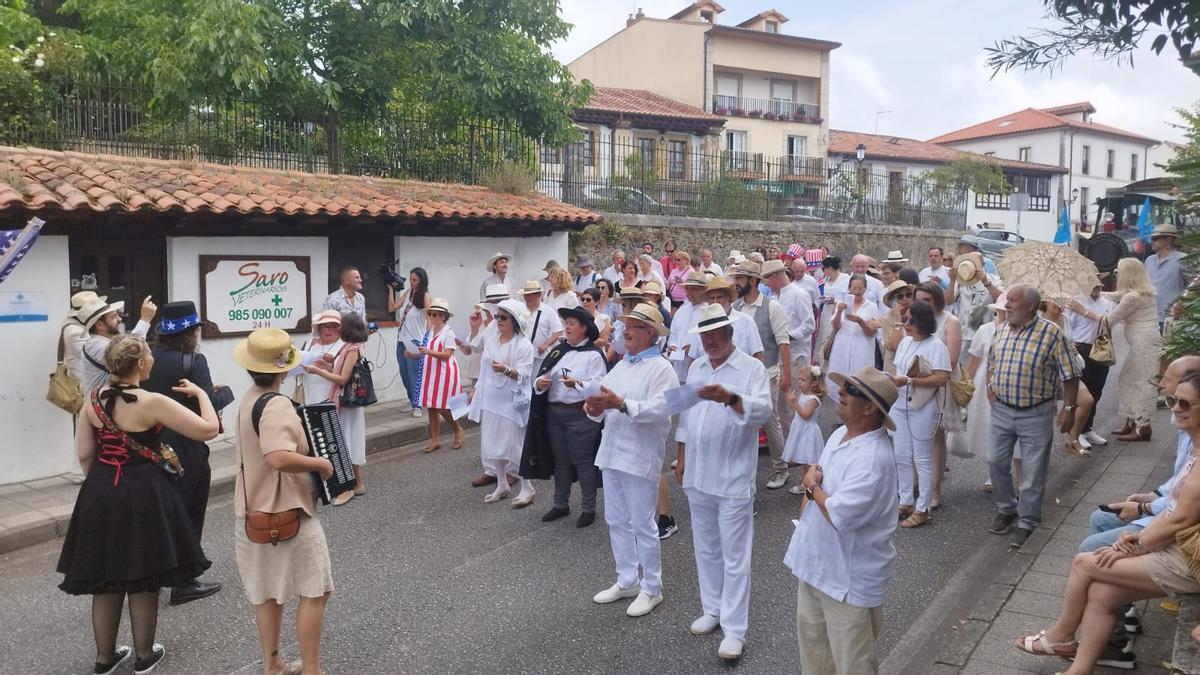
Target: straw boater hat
point(695, 278)
point(491, 263)
point(652, 288)
point(648, 315)
point(632, 293)
point(897, 285)
point(968, 265)
point(531, 286)
point(748, 268)
point(720, 284)
point(497, 292)
point(1164, 230)
point(876, 386)
point(328, 316)
point(81, 297)
point(94, 309)
point(517, 311)
point(894, 256)
point(711, 317)
point(440, 305)
point(267, 350)
point(772, 267)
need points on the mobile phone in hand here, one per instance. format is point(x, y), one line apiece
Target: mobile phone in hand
point(1108, 508)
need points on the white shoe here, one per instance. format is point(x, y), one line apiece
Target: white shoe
point(704, 625)
point(615, 593)
point(1083, 442)
point(417, 414)
point(522, 500)
point(1094, 438)
point(493, 497)
point(642, 605)
point(730, 649)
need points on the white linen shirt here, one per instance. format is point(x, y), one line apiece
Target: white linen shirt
point(95, 346)
point(850, 559)
point(745, 337)
point(808, 284)
point(507, 282)
point(1082, 328)
point(612, 274)
point(546, 325)
point(587, 366)
point(797, 305)
point(941, 274)
point(721, 453)
point(635, 442)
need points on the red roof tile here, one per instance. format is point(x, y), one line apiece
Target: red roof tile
point(893, 147)
point(71, 181)
point(642, 102)
point(1032, 119)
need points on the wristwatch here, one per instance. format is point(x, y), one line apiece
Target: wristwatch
point(734, 399)
point(808, 493)
point(1070, 408)
point(623, 408)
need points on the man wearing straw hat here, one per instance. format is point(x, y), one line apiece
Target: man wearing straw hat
point(970, 291)
point(720, 292)
point(588, 276)
point(73, 334)
point(631, 296)
point(717, 465)
point(497, 267)
point(841, 551)
point(1165, 268)
point(685, 319)
point(102, 321)
point(632, 446)
point(545, 327)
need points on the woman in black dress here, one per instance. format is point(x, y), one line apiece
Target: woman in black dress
point(130, 533)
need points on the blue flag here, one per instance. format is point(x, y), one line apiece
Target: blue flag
point(1063, 234)
point(14, 244)
point(1145, 227)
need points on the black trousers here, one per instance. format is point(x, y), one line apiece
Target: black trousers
point(1094, 377)
point(573, 440)
point(194, 484)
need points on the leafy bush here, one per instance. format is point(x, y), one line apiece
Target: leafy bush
point(510, 177)
point(24, 109)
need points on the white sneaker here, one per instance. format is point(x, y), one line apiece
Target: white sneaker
point(1083, 442)
point(642, 605)
point(730, 649)
point(777, 480)
point(704, 625)
point(417, 414)
point(1095, 438)
point(615, 593)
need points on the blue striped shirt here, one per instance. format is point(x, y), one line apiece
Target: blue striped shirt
point(1028, 363)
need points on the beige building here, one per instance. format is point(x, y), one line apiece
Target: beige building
point(772, 88)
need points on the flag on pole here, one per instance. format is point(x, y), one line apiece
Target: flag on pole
point(1063, 234)
point(1145, 227)
point(14, 244)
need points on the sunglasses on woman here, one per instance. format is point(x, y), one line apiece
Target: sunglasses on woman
point(586, 298)
point(1183, 403)
point(903, 296)
point(502, 317)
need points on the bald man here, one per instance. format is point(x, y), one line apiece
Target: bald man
point(874, 294)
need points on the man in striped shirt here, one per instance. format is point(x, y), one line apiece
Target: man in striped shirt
point(1028, 360)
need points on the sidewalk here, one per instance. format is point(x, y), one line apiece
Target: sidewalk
point(1026, 596)
point(38, 511)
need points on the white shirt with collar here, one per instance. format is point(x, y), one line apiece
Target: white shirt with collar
point(850, 559)
point(1082, 328)
point(635, 441)
point(93, 349)
point(74, 335)
point(586, 281)
point(587, 366)
point(942, 274)
point(547, 322)
point(808, 284)
point(612, 274)
point(507, 282)
point(721, 453)
point(797, 305)
point(745, 337)
point(712, 267)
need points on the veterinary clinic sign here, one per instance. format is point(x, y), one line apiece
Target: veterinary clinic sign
point(241, 293)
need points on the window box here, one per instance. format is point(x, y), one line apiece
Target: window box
point(740, 112)
point(756, 113)
point(722, 111)
point(770, 116)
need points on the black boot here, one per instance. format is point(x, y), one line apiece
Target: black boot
point(193, 591)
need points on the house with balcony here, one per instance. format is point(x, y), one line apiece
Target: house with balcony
point(1096, 156)
point(893, 167)
point(771, 87)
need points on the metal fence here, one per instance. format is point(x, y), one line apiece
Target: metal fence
point(109, 118)
point(677, 178)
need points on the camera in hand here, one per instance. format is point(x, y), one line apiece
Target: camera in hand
point(388, 274)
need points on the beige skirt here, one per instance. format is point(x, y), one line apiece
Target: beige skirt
point(1169, 570)
point(297, 567)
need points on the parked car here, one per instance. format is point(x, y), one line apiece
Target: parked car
point(814, 214)
point(992, 243)
point(615, 198)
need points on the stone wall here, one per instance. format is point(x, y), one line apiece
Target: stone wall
point(628, 231)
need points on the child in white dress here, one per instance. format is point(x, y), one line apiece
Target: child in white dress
point(804, 441)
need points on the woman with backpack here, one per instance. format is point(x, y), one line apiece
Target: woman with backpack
point(337, 368)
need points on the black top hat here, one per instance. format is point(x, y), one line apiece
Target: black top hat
point(178, 317)
point(582, 316)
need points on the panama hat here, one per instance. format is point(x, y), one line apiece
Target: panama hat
point(895, 256)
point(748, 268)
point(652, 288)
point(720, 284)
point(632, 293)
point(876, 386)
point(267, 350)
point(772, 267)
point(328, 316)
point(530, 287)
point(897, 285)
point(1164, 230)
point(694, 278)
point(968, 266)
point(440, 305)
point(94, 309)
point(497, 292)
point(711, 317)
point(517, 311)
point(649, 315)
point(491, 263)
point(81, 297)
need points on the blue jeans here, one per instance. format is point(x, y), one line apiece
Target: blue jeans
point(410, 374)
point(1106, 529)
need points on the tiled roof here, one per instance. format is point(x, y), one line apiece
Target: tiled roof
point(642, 102)
point(893, 147)
point(770, 13)
point(1032, 119)
point(44, 180)
point(1082, 106)
point(716, 8)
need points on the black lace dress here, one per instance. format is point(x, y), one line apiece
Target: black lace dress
point(130, 531)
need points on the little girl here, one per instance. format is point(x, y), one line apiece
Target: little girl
point(804, 441)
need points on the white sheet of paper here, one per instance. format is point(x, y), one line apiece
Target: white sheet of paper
point(459, 405)
point(591, 389)
point(676, 355)
point(682, 397)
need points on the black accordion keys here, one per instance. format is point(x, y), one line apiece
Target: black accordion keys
point(324, 432)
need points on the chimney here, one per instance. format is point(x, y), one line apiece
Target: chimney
point(634, 18)
point(629, 21)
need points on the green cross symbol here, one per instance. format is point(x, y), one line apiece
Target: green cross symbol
point(276, 300)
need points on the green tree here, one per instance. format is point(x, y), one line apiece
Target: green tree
point(982, 176)
point(1110, 29)
point(1185, 167)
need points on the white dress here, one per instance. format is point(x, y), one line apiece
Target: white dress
point(317, 388)
point(502, 425)
point(979, 410)
point(834, 290)
point(1135, 382)
point(353, 419)
point(804, 441)
point(852, 349)
point(952, 413)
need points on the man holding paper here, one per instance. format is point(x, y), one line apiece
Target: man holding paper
point(636, 421)
point(718, 460)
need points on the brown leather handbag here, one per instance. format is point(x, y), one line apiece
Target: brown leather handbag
point(272, 528)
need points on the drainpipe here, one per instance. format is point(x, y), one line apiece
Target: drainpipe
point(704, 75)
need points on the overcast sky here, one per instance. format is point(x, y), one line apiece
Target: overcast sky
point(924, 61)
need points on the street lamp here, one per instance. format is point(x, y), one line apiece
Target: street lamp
point(860, 153)
point(1074, 195)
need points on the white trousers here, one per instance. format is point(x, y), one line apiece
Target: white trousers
point(835, 637)
point(630, 503)
point(913, 444)
point(723, 535)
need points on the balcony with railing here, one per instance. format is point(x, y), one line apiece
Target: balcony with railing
point(767, 108)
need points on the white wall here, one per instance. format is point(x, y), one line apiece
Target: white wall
point(1043, 146)
point(37, 435)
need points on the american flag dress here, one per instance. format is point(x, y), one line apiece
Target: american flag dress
point(439, 379)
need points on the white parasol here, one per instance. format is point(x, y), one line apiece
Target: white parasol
point(1054, 269)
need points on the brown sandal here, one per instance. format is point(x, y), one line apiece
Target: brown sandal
point(917, 519)
point(905, 511)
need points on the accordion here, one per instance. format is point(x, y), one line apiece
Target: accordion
point(324, 433)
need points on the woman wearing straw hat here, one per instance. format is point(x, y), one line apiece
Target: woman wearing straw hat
point(273, 477)
point(439, 379)
point(897, 297)
point(496, 400)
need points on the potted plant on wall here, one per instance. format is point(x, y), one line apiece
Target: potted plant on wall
point(756, 113)
point(722, 111)
point(770, 116)
point(740, 112)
